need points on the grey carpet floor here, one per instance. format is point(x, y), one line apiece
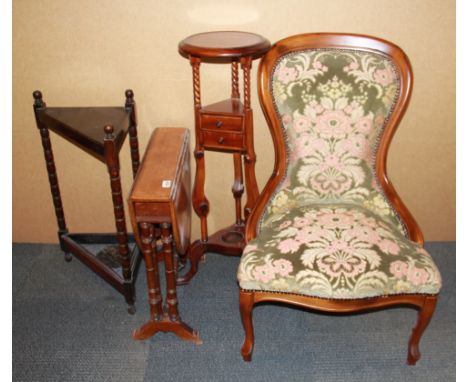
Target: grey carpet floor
point(68, 325)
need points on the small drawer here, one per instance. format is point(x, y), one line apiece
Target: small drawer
point(221, 122)
point(222, 140)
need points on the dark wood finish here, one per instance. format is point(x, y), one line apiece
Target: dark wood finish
point(424, 303)
point(130, 107)
point(39, 107)
point(100, 131)
point(161, 196)
point(113, 167)
point(227, 127)
point(82, 126)
point(223, 46)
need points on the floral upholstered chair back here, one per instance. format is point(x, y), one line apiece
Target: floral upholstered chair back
point(333, 105)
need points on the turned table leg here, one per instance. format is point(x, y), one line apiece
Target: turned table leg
point(39, 104)
point(152, 272)
point(112, 161)
point(169, 320)
point(249, 156)
point(200, 203)
point(132, 131)
point(171, 293)
point(238, 187)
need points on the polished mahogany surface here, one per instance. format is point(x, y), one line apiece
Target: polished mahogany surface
point(424, 303)
point(159, 207)
point(100, 131)
point(225, 126)
point(223, 46)
point(161, 191)
point(83, 126)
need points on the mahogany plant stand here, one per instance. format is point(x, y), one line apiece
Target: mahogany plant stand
point(101, 132)
point(160, 197)
point(226, 127)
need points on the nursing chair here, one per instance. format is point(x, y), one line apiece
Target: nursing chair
point(329, 231)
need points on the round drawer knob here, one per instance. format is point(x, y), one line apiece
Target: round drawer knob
point(221, 140)
point(219, 124)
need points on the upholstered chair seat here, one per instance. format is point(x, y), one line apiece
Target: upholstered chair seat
point(338, 251)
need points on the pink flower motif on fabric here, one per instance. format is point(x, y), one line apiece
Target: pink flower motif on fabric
point(340, 263)
point(300, 222)
point(311, 233)
point(287, 119)
point(317, 65)
point(313, 106)
point(288, 245)
point(333, 161)
point(356, 146)
point(364, 125)
point(389, 246)
point(286, 75)
point(333, 124)
point(264, 273)
point(384, 76)
point(331, 180)
point(335, 220)
point(282, 267)
point(302, 124)
point(399, 269)
point(352, 66)
point(418, 276)
point(307, 146)
point(363, 234)
point(338, 245)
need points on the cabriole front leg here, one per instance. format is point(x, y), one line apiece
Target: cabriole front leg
point(424, 317)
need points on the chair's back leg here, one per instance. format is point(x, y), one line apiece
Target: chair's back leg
point(424, 317)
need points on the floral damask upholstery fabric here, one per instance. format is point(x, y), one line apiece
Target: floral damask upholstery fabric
point(333, 105)
point(329, 230)
point(336, 251)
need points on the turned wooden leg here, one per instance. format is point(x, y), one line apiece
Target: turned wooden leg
point(201, 207)
point(195, 253)
point(250, 183)
point(130, 106)
point(112, 161)
point(162, 320)
point(40, 105)
point(424, 317)
point(246, 303)
point(200, 203)
point(171, 292)
point(152, 272)
point(238, 187)
point(249, 157)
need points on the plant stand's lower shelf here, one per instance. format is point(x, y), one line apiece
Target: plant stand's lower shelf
point(107, 262)
point(229, 241)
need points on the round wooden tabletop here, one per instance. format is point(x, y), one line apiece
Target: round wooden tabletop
point(224, 46)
